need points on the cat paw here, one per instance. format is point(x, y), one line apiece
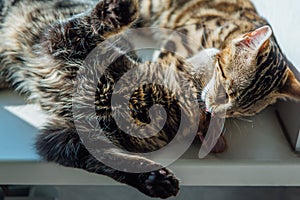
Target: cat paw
point(220, 146)
point(161, 183)
point(115, 14)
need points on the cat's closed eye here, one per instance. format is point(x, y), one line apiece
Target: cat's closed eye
point(220, 68)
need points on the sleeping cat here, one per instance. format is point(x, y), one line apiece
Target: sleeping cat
point(44, 45)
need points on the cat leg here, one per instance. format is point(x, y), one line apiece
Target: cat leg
point(66, 44)
point(204, 125)
point(61, 144)
point(77, 36)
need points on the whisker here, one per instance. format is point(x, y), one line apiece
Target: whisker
point(244, 119)
point(238, 127)
point(224, 131)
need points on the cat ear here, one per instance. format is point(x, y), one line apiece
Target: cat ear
point(257, 40)
point(291, 88)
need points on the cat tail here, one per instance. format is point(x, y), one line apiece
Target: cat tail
point(60, 143)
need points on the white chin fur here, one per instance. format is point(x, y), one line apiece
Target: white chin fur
point(204, 94)
point(204, 57)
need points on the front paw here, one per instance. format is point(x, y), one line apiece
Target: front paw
point(161, 183)
point(219, 147)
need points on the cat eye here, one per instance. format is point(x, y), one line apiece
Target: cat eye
point(221, 69)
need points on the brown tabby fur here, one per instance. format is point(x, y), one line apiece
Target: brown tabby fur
point(44, 44)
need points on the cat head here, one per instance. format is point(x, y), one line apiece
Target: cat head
point(250, 74)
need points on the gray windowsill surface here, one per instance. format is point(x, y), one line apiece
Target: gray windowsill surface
point(258, 154)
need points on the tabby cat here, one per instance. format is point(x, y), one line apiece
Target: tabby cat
point(45, 43)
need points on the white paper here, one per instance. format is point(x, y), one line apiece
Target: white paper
point(30, 113)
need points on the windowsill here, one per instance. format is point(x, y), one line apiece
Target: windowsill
point(258, 155)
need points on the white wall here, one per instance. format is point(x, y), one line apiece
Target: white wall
point(284, 16)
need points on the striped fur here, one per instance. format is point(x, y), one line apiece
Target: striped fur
point(45, 44)
point(254, 77)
